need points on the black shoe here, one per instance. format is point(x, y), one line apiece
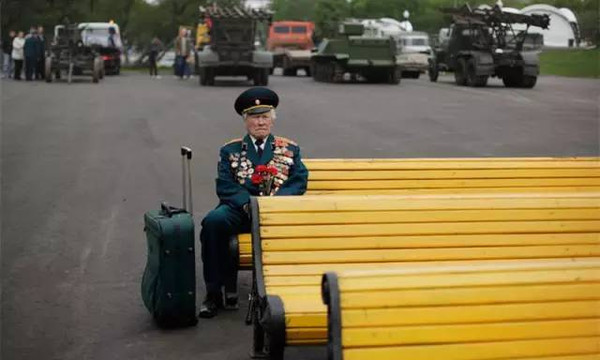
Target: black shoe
point(210, 306)
point(230, 301)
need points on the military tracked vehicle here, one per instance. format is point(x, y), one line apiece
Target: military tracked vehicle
point(482, 43)
point(370, 58)
point(231, 50)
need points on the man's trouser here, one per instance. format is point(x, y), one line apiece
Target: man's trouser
point(30, 65)
point(218, 264)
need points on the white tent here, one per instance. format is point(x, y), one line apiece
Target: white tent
point(563, 30)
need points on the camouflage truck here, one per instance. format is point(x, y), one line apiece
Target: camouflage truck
point(231, 50)
point(371, 58)
point(483, 43)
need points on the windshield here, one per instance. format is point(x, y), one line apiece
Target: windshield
point(281, 29)
point(299, 30)
point(100, 37)
point(415, 41)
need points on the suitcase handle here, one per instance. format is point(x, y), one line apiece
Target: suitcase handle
point(186, 160)
point(169, 210)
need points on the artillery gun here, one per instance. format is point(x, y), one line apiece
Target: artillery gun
point(484, 43)
point(372, 58)
point(70, 55)
point(231, 50)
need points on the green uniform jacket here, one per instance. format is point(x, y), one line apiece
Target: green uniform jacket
point(238, 158)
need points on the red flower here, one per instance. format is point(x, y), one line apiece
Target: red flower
point(261, 168)
point(256, 179)
point(272, 170)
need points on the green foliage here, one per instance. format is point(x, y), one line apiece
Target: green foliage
point(303, 10)
point(579, 63)
point(328, 14)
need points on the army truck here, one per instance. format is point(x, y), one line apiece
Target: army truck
point(69, 54)
point(483, 43)
point(231, 49)
point(291, 44)
point(371, 58)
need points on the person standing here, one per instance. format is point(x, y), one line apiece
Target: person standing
point(18, 54)
point(30, 50)
point(155, 48)
point(7, 54)
point(183, 49)
point(41, 53)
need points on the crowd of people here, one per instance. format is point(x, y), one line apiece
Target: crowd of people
point(24, 56)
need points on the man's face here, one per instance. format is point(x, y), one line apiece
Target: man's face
point(40, 30)
point(12, 33)
point(259, 125)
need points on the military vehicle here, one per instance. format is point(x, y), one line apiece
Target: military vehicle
point(483, 43)
point(371, 58)
point(291, 43)
point(231, 50)
point(413, 53)
point(68, 53)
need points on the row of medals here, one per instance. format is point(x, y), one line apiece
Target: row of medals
point(282, 160)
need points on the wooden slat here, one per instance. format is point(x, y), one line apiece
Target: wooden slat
point(459, 296)
point(315, 335)
point(431, 202)
point(458, 191)
point(451, 183)
point(467, 333)
point(319, 269)
point(481, 351)
point(439, 315)
point(525, 172)
point(431, 241)
point(505, 227)
point(429, 216)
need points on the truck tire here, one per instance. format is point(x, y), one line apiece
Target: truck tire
point(308, 70)
point(48, 69)
point(265, 74)
point(459, 72)
point(261, 77)
point(394, 76)
point(528, 82)
point(434, 72)
point(472, 78)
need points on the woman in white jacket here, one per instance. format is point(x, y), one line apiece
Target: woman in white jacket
point(17, 54)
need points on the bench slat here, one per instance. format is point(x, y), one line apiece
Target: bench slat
point(473, 314)
point(500, 227)
point(431, 241)
point(461, 333)
point(401, 216)
point(481, 351)
point(458, 191)
point(525, 172)
point(451, 183)
point(313, 203)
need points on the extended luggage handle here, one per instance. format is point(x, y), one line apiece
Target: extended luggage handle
point(186, 180)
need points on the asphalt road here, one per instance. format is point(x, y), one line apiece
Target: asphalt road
point(81, 163)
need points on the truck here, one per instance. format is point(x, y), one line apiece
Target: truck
point(413, 53)
point(231, 48)
point(369, 58)
point(70, 55)
point(483, 43)
point(291, 43)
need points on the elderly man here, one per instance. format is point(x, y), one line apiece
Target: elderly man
point(239, 160)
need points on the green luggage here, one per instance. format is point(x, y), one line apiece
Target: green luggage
point(169, 281)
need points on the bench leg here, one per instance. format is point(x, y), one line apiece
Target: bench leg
point(274, 324)
point(258, 339)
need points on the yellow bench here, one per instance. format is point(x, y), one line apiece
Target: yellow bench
point(524, 310)
point(297, 239)
point(439, 176)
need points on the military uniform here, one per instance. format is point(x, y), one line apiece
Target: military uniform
point(238, 160)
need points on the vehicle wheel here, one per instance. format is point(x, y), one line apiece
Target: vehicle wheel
point(48, 69)
point(265, 77)
point(70, 73)
point(416, 75)
point(472, 78)
point(510, 78)
point(308, 70)
point(271, 71)
point(528, 82)
point(289, 72)
point(96, 71)
point(202, 76)
point(118, 70)
point(210, 77)
point(57, 75)
point(394, 76)
point(460, 72)
point(434, 72)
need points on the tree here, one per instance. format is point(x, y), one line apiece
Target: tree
point(328, 14)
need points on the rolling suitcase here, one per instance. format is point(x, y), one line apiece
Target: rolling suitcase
point(169, 281)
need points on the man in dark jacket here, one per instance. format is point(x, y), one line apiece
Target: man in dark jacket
point(237, 169)
point(30, 51)
point(41, 53)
